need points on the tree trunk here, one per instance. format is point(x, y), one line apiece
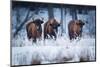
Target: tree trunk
point(50, 11)
point(73, 13)
point(18, 28)
point(61, 20)
point(65, 12)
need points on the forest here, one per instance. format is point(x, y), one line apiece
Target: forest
point(24, 51)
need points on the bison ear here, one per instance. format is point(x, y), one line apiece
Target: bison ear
point(58, 24)
point(87, 22)
point(81, 24)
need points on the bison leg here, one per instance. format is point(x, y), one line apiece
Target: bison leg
point(80, 34)
point(34, 39)
point(71, 35)
point(54, 34)
point(45, 36)
point(51, 36)
point(29, 35)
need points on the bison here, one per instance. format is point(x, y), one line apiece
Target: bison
point(75, 29)
point(51, 28)
point(34, 29)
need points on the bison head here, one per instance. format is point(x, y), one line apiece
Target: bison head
point(80, 23)
point(38, 21)
point(54, 24)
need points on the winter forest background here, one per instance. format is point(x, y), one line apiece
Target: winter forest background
point(24, 52)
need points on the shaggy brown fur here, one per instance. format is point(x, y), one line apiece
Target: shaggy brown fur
point(34, 30)
point(51, 28)
point(75, 29)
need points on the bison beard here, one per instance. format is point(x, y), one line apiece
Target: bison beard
point(34, 30)
point(75, 29)
point(51, 28)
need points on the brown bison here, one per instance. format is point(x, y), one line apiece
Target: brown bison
point(34, 29)
point(51, 28)
point(75, 29)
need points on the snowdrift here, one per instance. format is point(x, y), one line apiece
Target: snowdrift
point(24, 52)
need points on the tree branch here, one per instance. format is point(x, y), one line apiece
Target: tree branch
point(22, 24)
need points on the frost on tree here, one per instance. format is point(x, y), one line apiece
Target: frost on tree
point(57, 47)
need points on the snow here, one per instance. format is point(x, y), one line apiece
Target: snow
point(24, 52)
point(51, 51)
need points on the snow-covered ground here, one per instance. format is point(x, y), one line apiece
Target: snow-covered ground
point(62, 50)
point(24, 52)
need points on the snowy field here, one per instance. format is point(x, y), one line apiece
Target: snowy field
point(24, 52)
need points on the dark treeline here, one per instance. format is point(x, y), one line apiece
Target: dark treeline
point(44, 5)
point(35, 7)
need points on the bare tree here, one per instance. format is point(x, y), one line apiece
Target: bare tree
point(61, 20)
point(73, 12)
point(50, 11)
point(65, 12)
point(21, 23)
